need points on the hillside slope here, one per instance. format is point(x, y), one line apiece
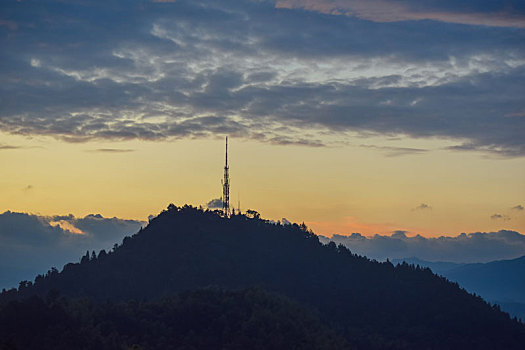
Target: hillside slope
point(501, 281)
point(375, 305)
point(203, 319)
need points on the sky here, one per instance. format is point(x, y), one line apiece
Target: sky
point(366, 117)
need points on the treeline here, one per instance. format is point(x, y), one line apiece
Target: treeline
point(204, 319)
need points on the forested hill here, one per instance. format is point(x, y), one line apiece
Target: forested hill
point(202, 319)
point(374, 305)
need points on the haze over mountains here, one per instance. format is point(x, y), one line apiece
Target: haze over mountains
point(373, 305)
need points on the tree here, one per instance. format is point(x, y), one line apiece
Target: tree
point(303, 227)
point(85, 258)
point(253, 213)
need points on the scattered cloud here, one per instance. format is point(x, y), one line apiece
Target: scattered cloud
point(472, 247)
point(471, 12)
point(194, 69)
point(422, 206)
point(112, 150)
point(500, 217)
point(492, 150)
point(53, 241)
point(396, 151)
point(6, 147)
point(280, 140)
point(518, 207)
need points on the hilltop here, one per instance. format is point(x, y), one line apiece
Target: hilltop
point(373, 305)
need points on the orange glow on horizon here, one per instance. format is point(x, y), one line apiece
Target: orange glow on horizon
point(351, 225)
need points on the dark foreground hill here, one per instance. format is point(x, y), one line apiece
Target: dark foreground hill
point(373, 305)
point(204, 319)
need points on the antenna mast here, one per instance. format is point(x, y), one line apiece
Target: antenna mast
point(226, 186)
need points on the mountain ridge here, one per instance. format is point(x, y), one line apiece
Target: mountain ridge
point(375, 305)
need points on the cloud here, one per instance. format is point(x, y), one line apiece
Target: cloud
point(500, 217)
point(194, 69)
point(6, 147)
point(214, 204)
point(399, 234)
point(103, 230)
point(26, 229)
point(282, 140)
point(472, 247)
point(53, 241)
point(422, 206)
point(469, 12)
point(518, 207)
point(503, 152)
point(112, 150)
point(396, 151)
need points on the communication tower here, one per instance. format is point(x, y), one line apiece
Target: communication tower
point(226, 186)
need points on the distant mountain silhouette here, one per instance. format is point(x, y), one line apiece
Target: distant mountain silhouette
point(501, 281)
point(373, 305)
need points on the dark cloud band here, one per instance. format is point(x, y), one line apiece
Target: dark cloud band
point(53, 241)
point(189, 69)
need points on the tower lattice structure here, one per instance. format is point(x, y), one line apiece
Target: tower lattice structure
point(226, 186)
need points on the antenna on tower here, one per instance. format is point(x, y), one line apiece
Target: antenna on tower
point(226, 186)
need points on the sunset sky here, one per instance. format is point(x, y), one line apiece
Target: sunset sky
point(352, 116)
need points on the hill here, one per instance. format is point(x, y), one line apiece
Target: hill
point(501, 281)
point(203, 319)
point(374, 305)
